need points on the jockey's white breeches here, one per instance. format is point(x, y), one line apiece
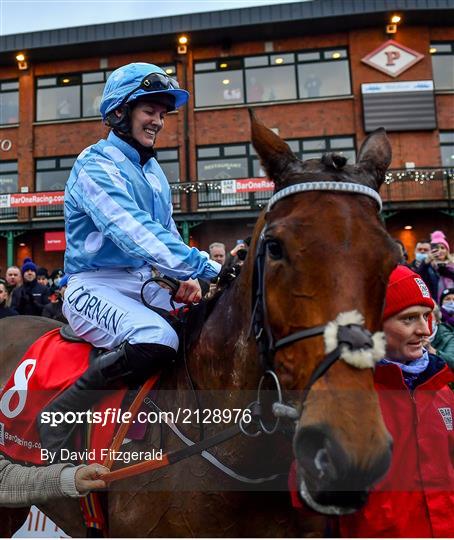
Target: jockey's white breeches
point(104, 308)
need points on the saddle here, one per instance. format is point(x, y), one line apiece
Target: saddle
point(176, 318)
point(67, 333)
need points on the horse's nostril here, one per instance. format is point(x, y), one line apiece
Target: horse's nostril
point(324, 465)
point(318, 454)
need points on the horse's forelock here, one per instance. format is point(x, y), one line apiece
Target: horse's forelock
point(330, 167)
point(334, 160)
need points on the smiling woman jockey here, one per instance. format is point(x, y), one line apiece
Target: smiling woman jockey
point(118, 215)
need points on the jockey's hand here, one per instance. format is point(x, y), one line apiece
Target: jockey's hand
point(89, 477)
point(189, 292)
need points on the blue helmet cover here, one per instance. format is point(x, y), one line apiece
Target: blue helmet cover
point(124, 79)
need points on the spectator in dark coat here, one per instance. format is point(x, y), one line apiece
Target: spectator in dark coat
point(53, 310)
point(31, 297)
point(42, 277)
point(422, 252)
point(5, 311)
point(55, 277)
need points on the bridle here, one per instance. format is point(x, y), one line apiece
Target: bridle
point(349, 341)
point(352, 339)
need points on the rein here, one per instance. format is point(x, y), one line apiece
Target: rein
point(346, 338)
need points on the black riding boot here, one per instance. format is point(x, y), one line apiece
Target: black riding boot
point(125, 365)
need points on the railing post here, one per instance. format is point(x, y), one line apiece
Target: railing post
point(185, 232)
point(9, 248)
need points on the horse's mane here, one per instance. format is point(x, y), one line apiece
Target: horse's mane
point(197, 315)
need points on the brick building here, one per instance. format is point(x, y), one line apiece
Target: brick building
point(322, 73)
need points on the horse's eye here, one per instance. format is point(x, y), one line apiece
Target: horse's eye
point(274, 249)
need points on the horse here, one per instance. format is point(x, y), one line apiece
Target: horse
point(292, 324)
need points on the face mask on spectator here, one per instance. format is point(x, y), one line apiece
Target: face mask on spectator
point(421, 257)
point(449, 307)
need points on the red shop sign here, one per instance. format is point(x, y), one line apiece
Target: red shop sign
point(54, 241)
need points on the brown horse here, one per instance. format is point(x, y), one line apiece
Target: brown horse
point(318, 253)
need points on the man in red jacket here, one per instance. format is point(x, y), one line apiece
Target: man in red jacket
point(416, 497)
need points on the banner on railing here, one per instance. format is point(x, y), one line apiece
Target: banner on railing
point(45, 198)
point(246, 185)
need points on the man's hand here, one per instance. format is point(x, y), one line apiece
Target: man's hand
point(237, 248)
point(89, 477)
point(189, 292)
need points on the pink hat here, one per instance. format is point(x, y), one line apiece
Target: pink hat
point(438, 237)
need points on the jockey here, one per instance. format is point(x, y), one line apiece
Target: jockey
point(119, 225)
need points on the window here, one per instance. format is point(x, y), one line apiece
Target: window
point(58, 98)
point(8, 177)
point(168, 160)
point(241, 161)
point(314, 148)
point(272, 77)
point(51, 175)
point(327, 75)
point(8, 184)
point(236, 161)
point(276, 82)
point(443, 65)
point(71, 96)
point(223, 87)
point(9, 102)
point(223, 162)
point(447, 148)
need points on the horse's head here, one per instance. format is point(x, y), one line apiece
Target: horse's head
point(323, 256)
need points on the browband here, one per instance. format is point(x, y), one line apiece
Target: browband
point(347, 187)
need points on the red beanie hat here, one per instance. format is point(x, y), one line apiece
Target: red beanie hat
point(405, 289)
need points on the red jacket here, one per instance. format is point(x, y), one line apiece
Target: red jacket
point(416, 497)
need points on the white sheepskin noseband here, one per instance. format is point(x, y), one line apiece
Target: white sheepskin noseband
point(358, 358)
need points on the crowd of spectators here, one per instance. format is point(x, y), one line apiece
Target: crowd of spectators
point(434, 262)
point(31, 290)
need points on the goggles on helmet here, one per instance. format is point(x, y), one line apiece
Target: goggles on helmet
point(154, 82)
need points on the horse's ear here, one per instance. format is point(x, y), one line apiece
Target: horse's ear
point(375, 155)
point(274, 153)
